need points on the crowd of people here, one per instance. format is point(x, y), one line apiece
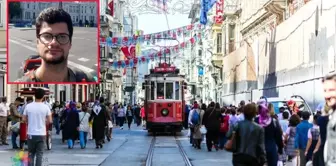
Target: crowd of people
point(257, 135)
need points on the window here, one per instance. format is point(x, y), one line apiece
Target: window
point(219, 42)
point(169, 90)
point(152, 87)
point(177, 91)
point(160, 90)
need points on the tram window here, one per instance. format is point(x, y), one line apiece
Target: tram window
point(152, 87)
point(177, 91)
point(169, 90)
point(160, 90)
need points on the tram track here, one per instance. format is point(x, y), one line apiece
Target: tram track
point(150, 156)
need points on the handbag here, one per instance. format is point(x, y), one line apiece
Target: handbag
point(15, 127)
point(229, 144)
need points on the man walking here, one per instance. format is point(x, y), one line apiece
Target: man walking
point(329, 87)
point(4, 112)
point(36, 115)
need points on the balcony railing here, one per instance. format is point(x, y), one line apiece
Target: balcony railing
point(232, 7)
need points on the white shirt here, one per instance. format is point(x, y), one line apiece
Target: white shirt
point(37, 113)
point(84, 121)
point(3, 109)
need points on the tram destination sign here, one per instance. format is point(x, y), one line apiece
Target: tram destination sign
point(164, 69)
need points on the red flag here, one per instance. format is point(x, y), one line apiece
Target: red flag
point(129, 51)
point(111, 6)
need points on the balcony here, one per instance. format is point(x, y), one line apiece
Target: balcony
point(217, 59)
point(277, 7)
point(232, 8)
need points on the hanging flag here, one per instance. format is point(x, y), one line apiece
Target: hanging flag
point(111, 6)
point(205, 8)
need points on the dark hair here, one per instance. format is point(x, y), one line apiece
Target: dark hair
point(294, 120)
point(4, 99)
point(285, 115)
point(233, 111)
point(217, 105)
point(228, 111)
point(316, 117)
point(250, 111)
point(101, 100)
point(19, 99)
point(212, 104)
point(54, 15)
point(305, 115)
point(39, 93)
point(203, 107)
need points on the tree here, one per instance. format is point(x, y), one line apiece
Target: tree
point(14, 10)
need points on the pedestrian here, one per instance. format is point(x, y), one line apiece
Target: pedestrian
point(56, 109)
point(129, 115)
point(329, 87)
point(121, 116)
point(322, 122)
point(137, 114)
point(4, 116)
point(191, 125)
point(273, 133)
point(143, 116)
point(100, 122)
point(289, 139)
point(224, 128)
point(197, 124)
point(15, 116)
point(83, 126)
point(36, 115)
point(301, 137)
point(250, 149)
point(55, 23)
point(313, 136)
point(211, 120)
point(71, 125)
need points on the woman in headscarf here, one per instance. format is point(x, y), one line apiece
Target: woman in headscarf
point(273, 133)
point(99, 117)
point(71, 125)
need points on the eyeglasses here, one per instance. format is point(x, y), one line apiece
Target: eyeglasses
point(47, 38)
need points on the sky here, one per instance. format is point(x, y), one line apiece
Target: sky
point(152, 23)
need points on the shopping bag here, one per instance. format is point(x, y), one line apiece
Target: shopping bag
point(188, 133)
point(203, 130)
point(110, 124)
point(280, 163)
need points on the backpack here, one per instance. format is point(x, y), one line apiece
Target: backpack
point(225, 124)
point(195, 118)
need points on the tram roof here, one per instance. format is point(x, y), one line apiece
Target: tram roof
point(164, 75)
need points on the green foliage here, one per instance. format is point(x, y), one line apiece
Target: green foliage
point(14, 9)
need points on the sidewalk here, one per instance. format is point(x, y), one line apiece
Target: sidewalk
point(61, 155)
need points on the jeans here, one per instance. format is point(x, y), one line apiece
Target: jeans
point(121, 121)
point(35, 149)
point(191, 135)
point(113, 116)
point(14, 136)
point(83, 138)
point(56, 124)
point(222, 139)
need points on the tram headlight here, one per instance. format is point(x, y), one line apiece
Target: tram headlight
point(164, 112)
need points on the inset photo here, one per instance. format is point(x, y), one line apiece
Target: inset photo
point(53, 42)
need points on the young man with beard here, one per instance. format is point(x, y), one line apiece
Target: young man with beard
point(54, 32)
point(329, 87)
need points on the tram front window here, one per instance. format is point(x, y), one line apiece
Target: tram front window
point(177, 91)
point(160, 90)
point(169, 90)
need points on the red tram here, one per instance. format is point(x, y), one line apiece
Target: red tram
point(164, 99)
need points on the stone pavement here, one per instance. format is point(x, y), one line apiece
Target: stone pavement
point(127, 148)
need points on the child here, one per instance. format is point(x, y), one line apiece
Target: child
point(313, 136)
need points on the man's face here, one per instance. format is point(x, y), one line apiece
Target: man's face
point(53, 52)
point(329, 87)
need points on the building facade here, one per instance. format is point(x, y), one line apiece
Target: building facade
point(80, 12)
point(3, 50)
point(285, 47)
